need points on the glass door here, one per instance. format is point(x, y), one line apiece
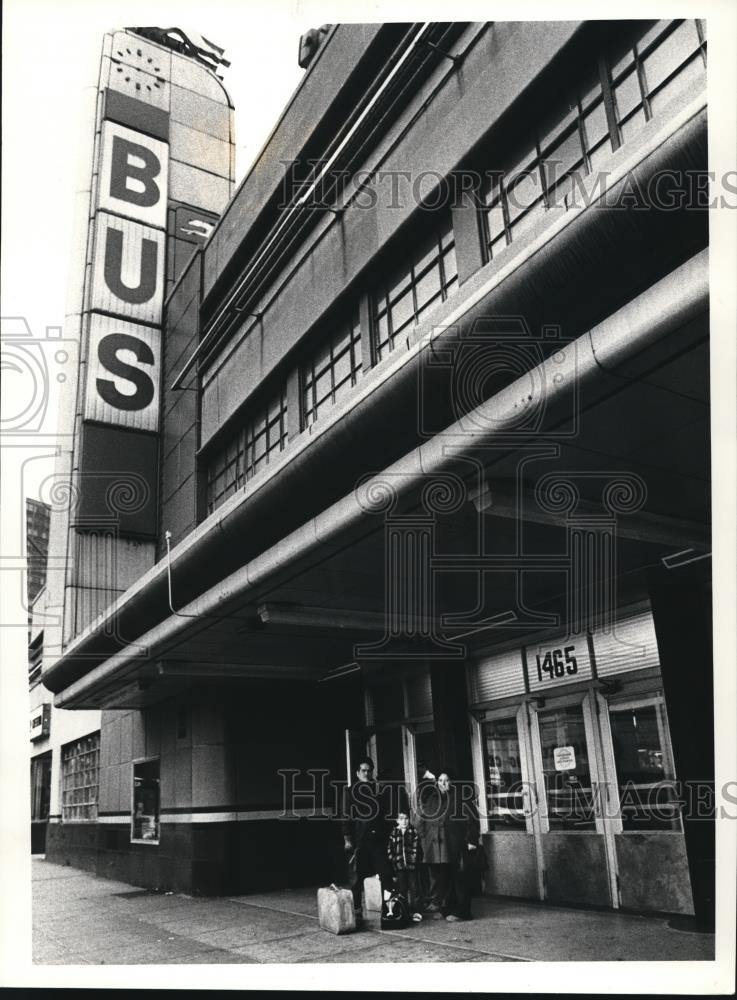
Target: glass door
point(566, 769)
point(575, 852)
point(644, 766)
point(505, 806)
point(652, 865)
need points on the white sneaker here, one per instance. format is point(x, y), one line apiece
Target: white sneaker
point(417, 918)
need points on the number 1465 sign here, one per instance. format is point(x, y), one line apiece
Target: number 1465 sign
point(556, 665)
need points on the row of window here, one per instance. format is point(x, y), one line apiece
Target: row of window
point(622, 91)
point(249, 450)
point(400, 303)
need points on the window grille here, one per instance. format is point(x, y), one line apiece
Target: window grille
point(247, 451)
point(611, 104)
point(80, 779)
point(414, 290)
point(332, 371)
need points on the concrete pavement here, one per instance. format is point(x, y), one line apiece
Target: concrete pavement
point(80, 919)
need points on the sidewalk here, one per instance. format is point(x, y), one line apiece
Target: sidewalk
point(80, 919)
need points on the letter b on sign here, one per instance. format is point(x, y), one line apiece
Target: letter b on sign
point(133, 175)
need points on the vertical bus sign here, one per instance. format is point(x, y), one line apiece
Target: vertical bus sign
point(128, 280)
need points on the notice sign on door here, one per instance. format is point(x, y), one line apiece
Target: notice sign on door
point(564, 758)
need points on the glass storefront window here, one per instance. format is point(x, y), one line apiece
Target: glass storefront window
point(566, 770)
point(648, 798)
point(40, 787)
point(503, 773)
point(145, 815)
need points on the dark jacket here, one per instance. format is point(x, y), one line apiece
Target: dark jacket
point(365, 818)
point(447, 824)
point(403, 849)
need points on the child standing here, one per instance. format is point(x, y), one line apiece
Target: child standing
point(403, 853)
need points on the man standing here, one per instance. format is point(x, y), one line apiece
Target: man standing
point(365, 833)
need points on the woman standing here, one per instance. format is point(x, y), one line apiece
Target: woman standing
point(449, 832)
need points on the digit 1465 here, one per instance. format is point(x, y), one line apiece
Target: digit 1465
point(557, 663)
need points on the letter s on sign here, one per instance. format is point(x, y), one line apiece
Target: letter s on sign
point(107, 353)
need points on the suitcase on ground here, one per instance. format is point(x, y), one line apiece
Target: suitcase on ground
point(335, 910)
point(372, 894)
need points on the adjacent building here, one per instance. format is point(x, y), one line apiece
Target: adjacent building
point(427, 468)
point(37, 547)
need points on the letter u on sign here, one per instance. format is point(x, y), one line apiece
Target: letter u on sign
point(128, 277)
point(134, 174)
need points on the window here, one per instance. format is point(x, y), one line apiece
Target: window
point(247, 451)
point(80, 777)
point(332, 371)
point(503, 771)
point(414, 290)
point(145, 804)
point(648, 797)
point(40, 787)
point(645, 76)
point(566, 769)
point(35, 657)
point(609, 105)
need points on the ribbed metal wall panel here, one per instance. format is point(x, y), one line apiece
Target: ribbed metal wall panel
point(632, 645)
point(102, 559)
point(498, 677)
point(419, 695)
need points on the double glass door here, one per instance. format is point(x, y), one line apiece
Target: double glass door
point(576, 776)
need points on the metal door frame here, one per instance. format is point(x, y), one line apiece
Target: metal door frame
point(600, 757)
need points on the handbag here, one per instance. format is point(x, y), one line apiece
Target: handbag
point(474, 862)
point(394, 912)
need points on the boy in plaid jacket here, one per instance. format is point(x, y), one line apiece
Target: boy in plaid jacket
point(403, 851)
